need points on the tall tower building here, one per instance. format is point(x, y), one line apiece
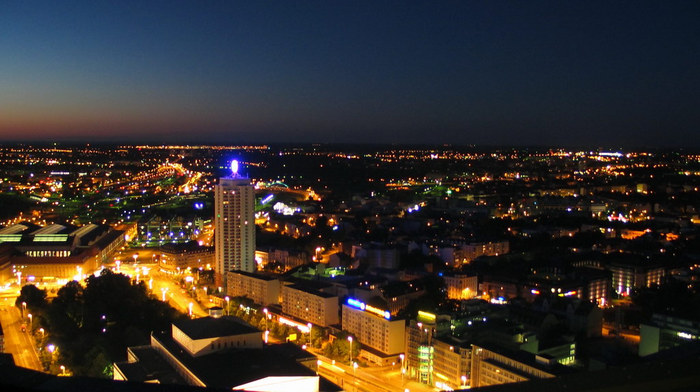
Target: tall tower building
point(234, 207)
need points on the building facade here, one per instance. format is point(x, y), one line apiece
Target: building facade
point(310, 305)
point(489, 367)
point(461, 286)
point(234, 207)
point(262, 290)
point(374, 327)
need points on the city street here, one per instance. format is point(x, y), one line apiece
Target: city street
point(384, 379)
point(19, 344)
point(161, 284)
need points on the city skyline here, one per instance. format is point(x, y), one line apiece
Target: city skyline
point(505, 73)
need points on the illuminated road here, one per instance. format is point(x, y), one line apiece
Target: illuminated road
point(367, 379)
point(159, 283)
point(175, 296)
point(18, 343)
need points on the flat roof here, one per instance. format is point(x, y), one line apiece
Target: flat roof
point(50, 229)
point(311, 290)
point(233, 367)
point(254, 275)
point(209, 327)
point(14, 229)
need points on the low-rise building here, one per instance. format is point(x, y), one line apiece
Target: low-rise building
point(222, 353)
point(56, 252)
point(176, 257)
point(490, 366)
point(460, 286)
point(663, 332)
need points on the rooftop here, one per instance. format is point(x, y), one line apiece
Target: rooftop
point(209, 327)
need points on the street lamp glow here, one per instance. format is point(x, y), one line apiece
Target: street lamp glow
point(190, 308)
point(51, 348)
point(350, 340)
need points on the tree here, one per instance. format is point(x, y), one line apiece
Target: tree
point(34, 298)
point(93, 325)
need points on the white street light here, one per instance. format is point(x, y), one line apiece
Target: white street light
point(350, 340)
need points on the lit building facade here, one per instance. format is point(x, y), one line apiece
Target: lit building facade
point(55, 252)
point(310, 305)
point(489, 367)
point(628, 276)
point(374, 328)
point(461, 286)
point(234, 207)
point(451, 364)
point(663, 332)
point(262, 290)
point(420, 352)
point(469, 252)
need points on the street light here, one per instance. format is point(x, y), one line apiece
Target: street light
point(63, 370)
point(227, 304)
point(29, 316)
point(24, 308)
point(41, 330)
point(190, 309)
point(350, 340)
point(464, 380)
point(163, 290)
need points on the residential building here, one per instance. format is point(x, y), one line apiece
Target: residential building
point(261, 289)
point(374, 328)
point(234, 207)
point(310, 305)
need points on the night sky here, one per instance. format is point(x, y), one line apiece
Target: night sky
point(568, 73)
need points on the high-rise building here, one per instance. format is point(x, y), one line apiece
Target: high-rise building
point(234, 206)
